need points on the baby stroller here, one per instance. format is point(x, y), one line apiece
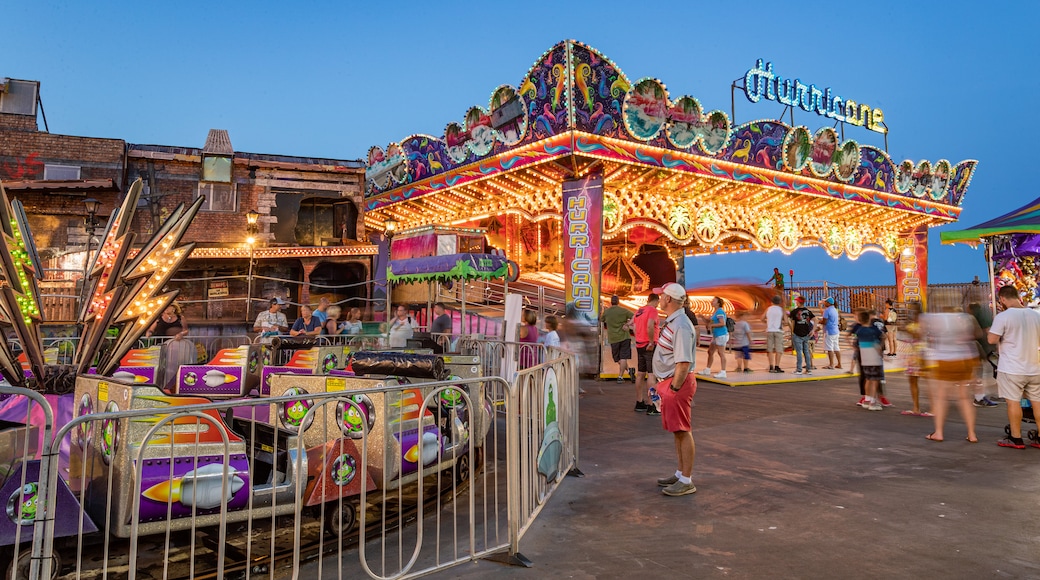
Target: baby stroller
point(1031, 436)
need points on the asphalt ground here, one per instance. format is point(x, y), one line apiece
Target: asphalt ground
point(794, 481)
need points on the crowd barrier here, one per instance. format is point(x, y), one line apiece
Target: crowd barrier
point(328, 475)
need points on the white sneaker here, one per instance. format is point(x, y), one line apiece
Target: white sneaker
point(706, 372)
point(874, 407)
point(798, 372)
point(720, 375)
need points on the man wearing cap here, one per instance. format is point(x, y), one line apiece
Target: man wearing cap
point(831, 328)
point(271, 322)
point(616, 320)
point(802, 326)
point(673, 360)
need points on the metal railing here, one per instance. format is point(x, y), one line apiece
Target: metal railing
point(376, 477)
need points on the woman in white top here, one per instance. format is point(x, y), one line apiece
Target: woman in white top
point(552, 338)
point(950, 360)
point(352, 325)
point(401, 328)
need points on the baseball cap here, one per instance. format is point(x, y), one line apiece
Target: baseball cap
point(674, 290)
point(829, 300)
point(277, 300)
point(799, 299)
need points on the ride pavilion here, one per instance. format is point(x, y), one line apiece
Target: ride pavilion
point(669, 179)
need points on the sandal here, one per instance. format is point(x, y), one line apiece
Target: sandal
point(932, 437)
point(827, 367)
point(970, 440)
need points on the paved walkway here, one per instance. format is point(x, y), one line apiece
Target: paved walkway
point(794, 481)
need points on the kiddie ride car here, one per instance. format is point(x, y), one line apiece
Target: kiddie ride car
point(298, 444)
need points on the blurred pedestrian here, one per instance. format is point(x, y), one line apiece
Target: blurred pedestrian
point(950, 360)
point(914, 358)
point(673, 363)
point(719, 339)
point(985, 319)
point(1016, 332)
point(616, 320)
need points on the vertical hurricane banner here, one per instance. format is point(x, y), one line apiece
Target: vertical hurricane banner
point(582, 247)
point(912, 268)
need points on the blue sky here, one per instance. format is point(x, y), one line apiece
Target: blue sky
point(955, 79)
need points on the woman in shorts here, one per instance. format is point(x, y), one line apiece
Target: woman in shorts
point(951, 359)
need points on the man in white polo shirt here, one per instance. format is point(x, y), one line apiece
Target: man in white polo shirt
point(1016, 331)
point(774, 334)
point(673, 360)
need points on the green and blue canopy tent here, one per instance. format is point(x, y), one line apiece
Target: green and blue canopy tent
point(1014, 234)
point(450, 268)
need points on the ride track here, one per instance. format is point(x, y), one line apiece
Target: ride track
point(316, 534)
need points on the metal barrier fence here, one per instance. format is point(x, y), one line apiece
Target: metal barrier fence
point(378, 477)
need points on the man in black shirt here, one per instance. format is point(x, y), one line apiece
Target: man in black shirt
point(440, 329)
point(801, 336)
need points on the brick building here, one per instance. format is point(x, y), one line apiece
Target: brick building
point(310, 235)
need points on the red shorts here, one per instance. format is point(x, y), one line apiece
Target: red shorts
point(676, 405)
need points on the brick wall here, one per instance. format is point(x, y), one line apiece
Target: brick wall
point(23, 154)
point(12, 122)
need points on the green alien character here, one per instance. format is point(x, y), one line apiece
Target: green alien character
point(353, 418)
point(108, 436)
point(296, 413)
point(29, 502)
point(344, 470)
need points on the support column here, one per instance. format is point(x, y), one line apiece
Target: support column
point(582, 258)
point(912, 267)
point(309, 264)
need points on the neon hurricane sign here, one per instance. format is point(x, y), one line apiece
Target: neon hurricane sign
point(761, 82)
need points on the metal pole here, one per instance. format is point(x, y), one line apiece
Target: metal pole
point(992, 283)
point(464, 326)
point(249, 284)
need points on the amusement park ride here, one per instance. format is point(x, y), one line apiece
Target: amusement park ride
point(267, 453)
point(665, 179)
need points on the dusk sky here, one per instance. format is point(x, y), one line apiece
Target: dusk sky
point(331, 79)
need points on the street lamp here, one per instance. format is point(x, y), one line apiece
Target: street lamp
point(90, 224)
point(252, 229)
